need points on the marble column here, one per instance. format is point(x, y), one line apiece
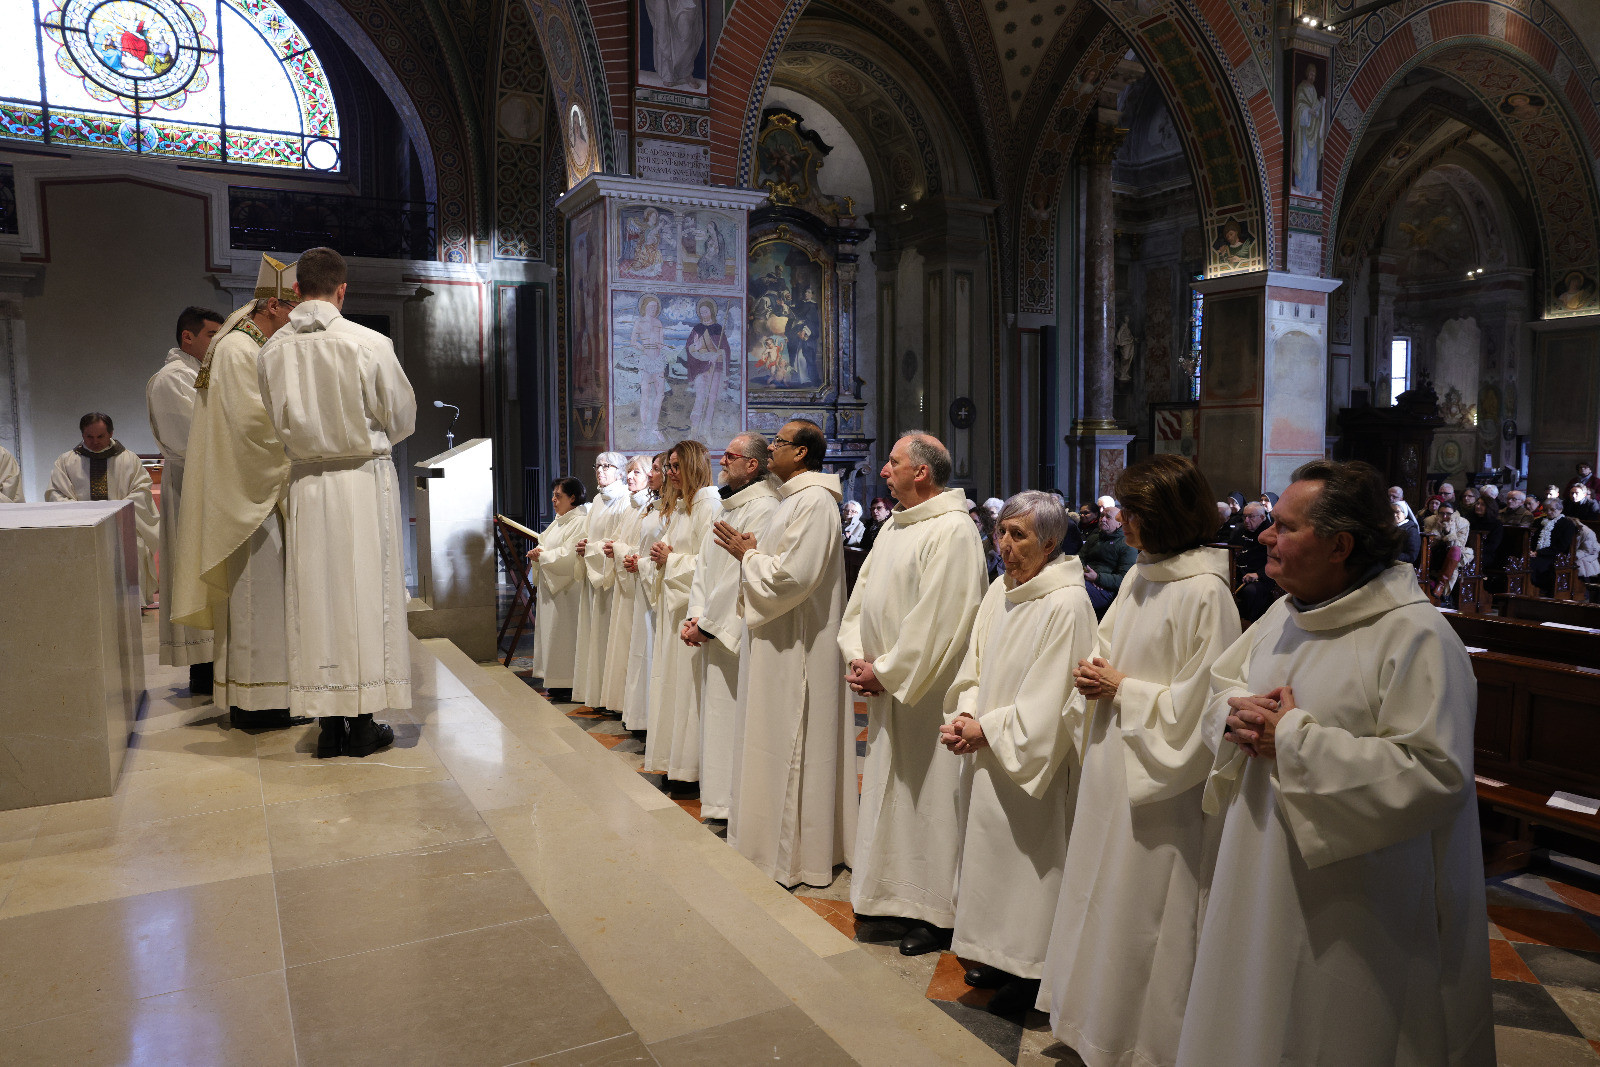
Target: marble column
point(1100, 282)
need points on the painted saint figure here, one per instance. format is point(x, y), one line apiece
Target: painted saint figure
point(1310, 127)
point(678, 29)
point(709, 356)
point(713, 264)
point(646, 341)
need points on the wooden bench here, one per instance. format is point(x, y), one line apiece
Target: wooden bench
point(1538, 731)
point(1533, 640)
point(1539, 609)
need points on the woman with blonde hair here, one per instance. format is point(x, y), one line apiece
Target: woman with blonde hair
point(641, 577)
point(690, 503)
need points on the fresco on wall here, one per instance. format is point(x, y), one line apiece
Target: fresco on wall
point(673, 369)
point(587, 300)
point(1432, 231)
point(788, 305)
point(1575, 292)
point(706, 246)
point(647, 246)
point(1234, 246)
point(1309, 122)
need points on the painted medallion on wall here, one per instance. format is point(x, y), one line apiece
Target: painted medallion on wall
point(1575, 292)
point(790, 335)
point(1234, 246)
point(672, 45)
point(673, 370)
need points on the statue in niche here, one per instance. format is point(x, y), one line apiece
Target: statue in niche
point(677, 34)
point(1126, 344)
point(1310, 129)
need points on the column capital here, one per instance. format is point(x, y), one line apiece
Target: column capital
point(1101, 141)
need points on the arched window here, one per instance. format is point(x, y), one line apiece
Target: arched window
point(231, 81)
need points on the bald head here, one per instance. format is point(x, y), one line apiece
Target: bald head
point(918, 468)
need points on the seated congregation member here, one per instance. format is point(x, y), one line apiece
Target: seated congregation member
point(556, 561)
point(1397, 495)
point(1019, 783)
point(690, 504)
point(903, 635)
point(1410, 550)
point(1554, 535)
point(596, 576)
point(1106, 559)
point(1122, 947)
point(879, 511)
point(10, 478)
point(636, 709)
point(102, 469)
point(1344, 921)
point(1484, 520)
point(1515, 513)
point(1450, 533)
point(1580, 503)
point(853, 528)
point(624, 584)
point(712, 624)
point(1586, 478)
point(794, 792)
point(1256, 590)
point(1586, 554)
point(1224, 527)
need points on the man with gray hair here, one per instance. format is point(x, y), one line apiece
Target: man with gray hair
point(713, 624)
point(1397, 495)
point(904, 634)
point(597, 573)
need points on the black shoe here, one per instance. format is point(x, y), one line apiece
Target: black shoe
point(334, 738)
point(367, 737)
point(272, 719)
point(984, 976)
point(879, 930)
point(560, 696)
point(923, 938)
point(200, 679)
point(1015, 997)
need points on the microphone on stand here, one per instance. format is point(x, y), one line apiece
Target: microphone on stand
point(449, 435)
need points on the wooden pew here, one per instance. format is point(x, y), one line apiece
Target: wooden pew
point(1519, 637)
point(1472, 597)
point(1538, 609)
point(1538, 731)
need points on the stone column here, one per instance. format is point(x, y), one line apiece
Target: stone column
point(1100, 283)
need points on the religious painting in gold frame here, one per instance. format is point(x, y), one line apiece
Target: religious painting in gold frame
point(789, 336)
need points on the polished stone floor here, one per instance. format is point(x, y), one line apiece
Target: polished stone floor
point(494, 889)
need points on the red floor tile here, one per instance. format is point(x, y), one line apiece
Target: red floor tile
point(1534, 927)
point(862, 736)
point(1581, 899)
point(1505, 963)
point(837, 913)
point(948, 983)
point(690, 806)
point(861, 707)
point(609, 740)
point(584, 712)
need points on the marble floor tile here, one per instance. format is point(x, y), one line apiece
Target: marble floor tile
point(1582, 1007)
point(1040, 1048)
point(338, 909)
point(20, 824)
point(490, 764)
point(291, 771)
point(371, 823)
point(169, 790)
point(624, 1051)
point(62, 870)
point(1537, 927)
point(1516, 1046)
point(12, 853)
point(1002, 1035)
point(1563, 968)
point(1528, 1007)
point(241, 1023)
point(76, 959)
point(487, 997)
point(784, 1035)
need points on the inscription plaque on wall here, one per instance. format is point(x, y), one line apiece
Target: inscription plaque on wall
point(672, 161)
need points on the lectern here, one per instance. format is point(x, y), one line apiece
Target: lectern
point(456, 587)
point(71, 649)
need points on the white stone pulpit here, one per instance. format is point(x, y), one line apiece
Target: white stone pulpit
point(71, 649)
point(456, 584)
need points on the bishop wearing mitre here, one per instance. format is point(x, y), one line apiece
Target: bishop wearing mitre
point(228, 570)
point(169, 396)
point(339, 401)
point(597, 579)
point(794, 793)
point(904, 635)
point(102, 469)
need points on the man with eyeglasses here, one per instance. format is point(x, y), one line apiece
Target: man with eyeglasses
point(794, 792)
point(598, 578)
point(713, 624)
point(228, 573)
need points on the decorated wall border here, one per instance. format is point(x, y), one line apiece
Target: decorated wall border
point(519, 172)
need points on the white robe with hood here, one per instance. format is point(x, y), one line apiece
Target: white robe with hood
point(126, 479)
point(555, 624)
point(10, 478)
point(169, 396)
point(1018, 790)
point(911, 616)
point(624, 584)
point(673, 745)
point(714, 600)
point(1344, 925)
point(340, 401)
point(1122, 948)
point(637, 712)
point(794, 793)
point(598, 579)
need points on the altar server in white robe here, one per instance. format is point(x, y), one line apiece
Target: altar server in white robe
point(903, 636)
point(794, 794)
point(10, 478)
point(712, 623)
point(1020, 782)
point(556, 564)
point(1344, 924)
point(624, 584)
point(169, 398)
point(597, 578)
point(1122, 949)
point(102, 469)
point(339, 400)
point(632, 629)
point(229, 575)
point(692, 504)
point(637, 711)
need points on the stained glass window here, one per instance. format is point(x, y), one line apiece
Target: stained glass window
point(232, 81)
point(1197, 315)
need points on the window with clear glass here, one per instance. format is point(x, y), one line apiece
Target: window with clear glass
point(231, 81)
point(1196, 318)
point(1399, 367)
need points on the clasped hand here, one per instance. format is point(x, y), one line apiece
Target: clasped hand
point(733, 542)
point(691, 634)
point(1253, 724)
point(609, 550)
point(861, 678)
point(1096, 679)
point(631, 563)
point(659, 553)
point(533, 553)
point(582, 545)
point(962, 736)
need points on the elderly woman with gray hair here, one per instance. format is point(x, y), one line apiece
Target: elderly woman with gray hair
point(1020, 776)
